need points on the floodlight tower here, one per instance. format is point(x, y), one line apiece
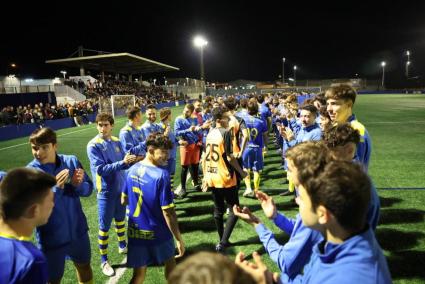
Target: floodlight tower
point(283, 70)
point(200, 43)
point(408, 62)
point(383, 63)
point(295, 75)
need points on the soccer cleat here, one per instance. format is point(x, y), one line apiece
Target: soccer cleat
point(249, 193)
point(219, 248)
point(107, 269)
point(123, 250)
point(180, 194)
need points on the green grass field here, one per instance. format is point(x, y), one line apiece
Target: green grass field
point(396, 124)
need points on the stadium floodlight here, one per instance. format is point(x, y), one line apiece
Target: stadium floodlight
point(295, 75)
point(383, 63)
point(407, 63)
point(29, 80)
point(63, 73)
point(291, 79)
point(13, 65)
point(283, 70)
point(200, 42)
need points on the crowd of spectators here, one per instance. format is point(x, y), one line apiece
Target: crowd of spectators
point(145, 94)
point(40, 112)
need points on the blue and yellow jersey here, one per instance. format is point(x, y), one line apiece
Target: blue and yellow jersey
point(181, 129)
point(264, 112)
point(21, 261)
point(256, 128)
point(132, 140)
point(107, 165)
point(148, 190)
point(173, 139)
point(364, 147)
point(67, 221)
point(148, 128)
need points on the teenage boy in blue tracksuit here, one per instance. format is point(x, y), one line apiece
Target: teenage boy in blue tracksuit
point(108, 163)
point(66, 232)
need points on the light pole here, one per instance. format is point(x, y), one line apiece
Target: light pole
point(64, 74)
point(383, 63)
point(295, 75)
point(200, 43)
point(407, 63)
point(283, 71)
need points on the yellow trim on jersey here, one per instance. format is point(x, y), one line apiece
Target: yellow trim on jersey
point(98, 183)
point(127, 128)
point(21, 238)
point(356, 125)
point(102, 242)
point(121, 238)
point(103, 251)
point(103, 234)
point(168, 206)
point(113, 138)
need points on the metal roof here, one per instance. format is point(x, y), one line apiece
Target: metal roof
point(124, 63)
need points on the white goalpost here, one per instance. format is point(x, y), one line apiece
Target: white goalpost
point(117, 105)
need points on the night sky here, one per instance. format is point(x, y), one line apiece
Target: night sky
point(247, 39)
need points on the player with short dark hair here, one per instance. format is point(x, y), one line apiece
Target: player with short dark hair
point(152, 221)
point(131, 135)
point(66, 232)
point(26, 201)
point(219, 167)
point(108, 162)
point(252, 156)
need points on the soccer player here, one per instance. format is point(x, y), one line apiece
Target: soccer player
point(150, 126)
point(186, 128)
point(342, 141)
point(335, 203)
point(219, 166)
point(66, 233)
point(152, 220)
point(165, 117)
point(131, 135)
point(252, 156)
point(108, 162)
point(26, 201)
point(264, 110)
point(340, 101)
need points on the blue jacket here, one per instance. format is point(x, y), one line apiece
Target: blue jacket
point(364, 147)
point(107, 166)
point(357, 260)
point(264, 112)
point(181, 128)
point(67, 222)
point(291, 257)
point(149, 128)
point(309, 133)
point(172, 137)
point(133, 140)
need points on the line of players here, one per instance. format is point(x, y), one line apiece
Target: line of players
point(233, 136)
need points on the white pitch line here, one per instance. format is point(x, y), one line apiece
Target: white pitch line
point(119, 272)
point(60, 135)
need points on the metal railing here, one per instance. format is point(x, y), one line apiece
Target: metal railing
point(27, 89)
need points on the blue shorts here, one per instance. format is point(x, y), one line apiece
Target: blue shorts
point(143, 255)
point(252, 159)
point(78, 251)
point(109, 208)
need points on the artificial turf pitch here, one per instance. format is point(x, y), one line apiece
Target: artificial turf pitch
point(396, 124)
